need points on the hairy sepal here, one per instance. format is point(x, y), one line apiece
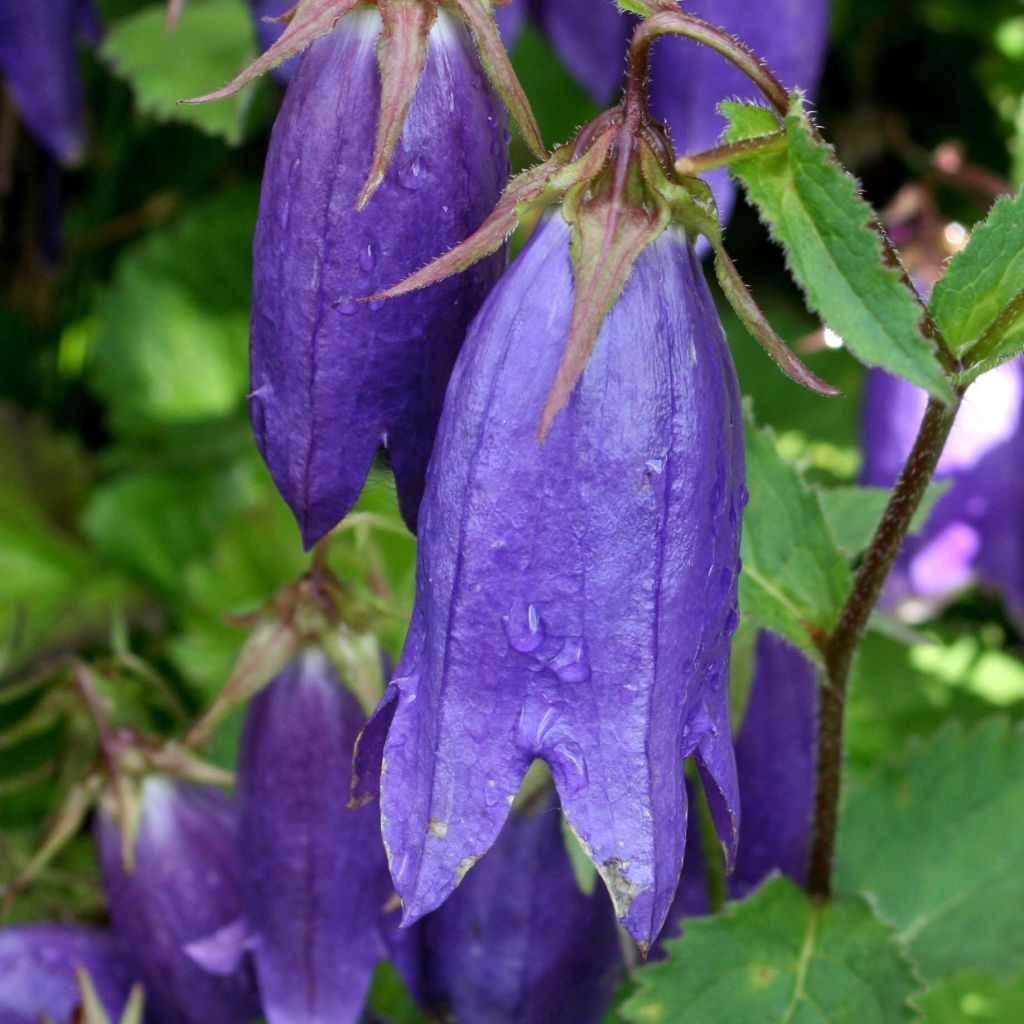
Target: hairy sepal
point(479, 15)
point(402, 56)
point(310, 20)
point(542, 185)
point(611, 226)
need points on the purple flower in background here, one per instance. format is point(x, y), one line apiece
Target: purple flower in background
point(39, 61)
point(184, 888)
point(519, 942)
point(268, 32)
point(335, 378)
point(688, 81)
point(37, 972)
point(314, 875)
point(776, 758)
point(973, 532)
point(542, 626)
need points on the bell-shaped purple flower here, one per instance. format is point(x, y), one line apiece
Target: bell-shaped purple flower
point(688, 81)
point(39, 61)
point(37, 972)
point(776, 759)
point(973, 531)
point(335, 378)
point(314, 874)
point(520, 942)
point(184, 888)
point(576, 598)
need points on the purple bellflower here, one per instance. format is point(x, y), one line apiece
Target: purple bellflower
point(184, 887)
point(973, 533)
point(520, 942)
point(37, 972)
point(39, 61)
point(390, 147)
point(542, 627)
point(776, 762)
point(314, 875)
point(334, 378)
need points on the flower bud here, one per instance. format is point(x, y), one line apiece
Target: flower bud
point(519, 942)
point(37, 972)
point(973, 531)
point(576, 598)
point(184, 888)
point(39, 61)
point(314, 874)
point(333, 377)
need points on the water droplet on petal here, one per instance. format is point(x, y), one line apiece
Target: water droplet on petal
point(523, 627)
point(368, 257)
point(570, 663)
point(569, 767)
point(414, 177)
point(347, 307)
point(744, 496)
point(375, 305)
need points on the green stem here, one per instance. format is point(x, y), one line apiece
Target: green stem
point(848, 633)
point(996, 331)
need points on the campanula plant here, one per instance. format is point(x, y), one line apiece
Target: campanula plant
point(390, 147)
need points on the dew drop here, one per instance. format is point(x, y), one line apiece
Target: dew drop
point(523, 627)
point(347, 307)
point(368, 257)
point(732, 622)
point(570, 663)
point(569, 767)
point(375, 305)
point(414, 177)
point(744, 495)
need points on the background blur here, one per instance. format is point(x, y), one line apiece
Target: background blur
point(137, 523)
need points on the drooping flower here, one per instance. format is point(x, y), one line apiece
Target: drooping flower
point(520, 942)
point(184, 887)
point(973, 532)
point(776, 758)
point(314, 875)
point(542, 628)
point(39, 61)
point(38, 965)
point(334, 378)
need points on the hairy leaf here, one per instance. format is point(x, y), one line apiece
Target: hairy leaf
point(813, 210)
point(779, 958)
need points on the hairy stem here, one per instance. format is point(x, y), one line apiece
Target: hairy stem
point(848, 633)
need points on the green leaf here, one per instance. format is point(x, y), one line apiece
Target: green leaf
point(982, 279)
point(213, 42)
point(154, 523)
point(173, 331)
point(814, 211)
point(853, 513)
point(794, 578)
point(973, 997)
point(934, 838)
point(779, 957)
